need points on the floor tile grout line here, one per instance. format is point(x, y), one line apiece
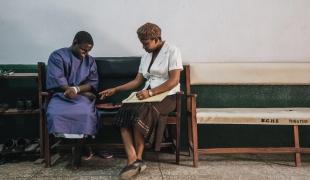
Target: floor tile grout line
point(159, 166)
point(270, 165)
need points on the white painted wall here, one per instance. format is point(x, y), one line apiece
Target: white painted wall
point(205, 30)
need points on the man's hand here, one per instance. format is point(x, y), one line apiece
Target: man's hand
point(107, 93)
point(143, 94)
point(70, 93)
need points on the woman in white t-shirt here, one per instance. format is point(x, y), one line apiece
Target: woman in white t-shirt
point(159, 69)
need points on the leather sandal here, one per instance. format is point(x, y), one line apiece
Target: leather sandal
point(21, 144)
point(141, 164)
point(89, 154)
point(104, 154)
point(9, 145)
point(129, 171)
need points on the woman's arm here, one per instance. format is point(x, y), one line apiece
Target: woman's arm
point(125, 87)
point(132, 84)
point(174, 79)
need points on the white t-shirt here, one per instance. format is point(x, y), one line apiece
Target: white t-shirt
point(168, 58)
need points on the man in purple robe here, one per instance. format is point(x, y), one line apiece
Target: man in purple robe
point(72, 79)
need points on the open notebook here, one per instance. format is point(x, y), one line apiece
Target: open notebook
point(157, 98)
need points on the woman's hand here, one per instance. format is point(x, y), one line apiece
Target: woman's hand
point(107, 93)
point(143, 94)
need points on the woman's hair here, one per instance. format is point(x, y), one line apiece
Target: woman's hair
point(149, 31)
point(83, 37)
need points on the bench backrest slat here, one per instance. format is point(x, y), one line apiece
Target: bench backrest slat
point(250, 74)
point(249, 85)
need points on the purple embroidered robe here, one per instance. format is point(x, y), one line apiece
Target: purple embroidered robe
point(71, 116)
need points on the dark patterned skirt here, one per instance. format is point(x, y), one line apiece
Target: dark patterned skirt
point(149, 118)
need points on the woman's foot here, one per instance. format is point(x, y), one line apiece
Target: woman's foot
point(133, 169)
point(142, 165)
point(129, 171)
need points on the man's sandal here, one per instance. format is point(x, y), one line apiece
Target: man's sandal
point(89, 154)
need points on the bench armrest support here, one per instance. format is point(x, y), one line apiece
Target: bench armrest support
point(191, 102)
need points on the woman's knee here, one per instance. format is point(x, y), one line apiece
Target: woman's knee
point(125, 130)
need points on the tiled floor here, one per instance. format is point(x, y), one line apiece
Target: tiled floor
point(161, 166)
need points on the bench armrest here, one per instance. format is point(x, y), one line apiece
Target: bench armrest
point(44, 99)
point(191, 95)
point(191, 102)
point(180, 93)
point(45, 94)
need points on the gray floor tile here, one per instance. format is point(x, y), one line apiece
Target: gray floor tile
point(298, 178)
point(196, 177)
point(78, 178)
point(19, 170)
point(162, 166)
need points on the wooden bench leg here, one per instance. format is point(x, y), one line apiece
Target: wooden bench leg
point(297, 146)
point(192, 130)
point(41, 135)
point(193, 137)
point(177, 139)
point(178, 128)
point(47, 150)
point(190, 135)
point(195, 141)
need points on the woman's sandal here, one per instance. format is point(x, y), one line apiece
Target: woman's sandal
point(133, 169)
point(141, 164)
point(129, 171)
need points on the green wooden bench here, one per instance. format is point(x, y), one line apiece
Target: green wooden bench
point(247, 94)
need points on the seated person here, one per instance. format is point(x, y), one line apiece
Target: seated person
point(159, 69)
point(72, 79)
